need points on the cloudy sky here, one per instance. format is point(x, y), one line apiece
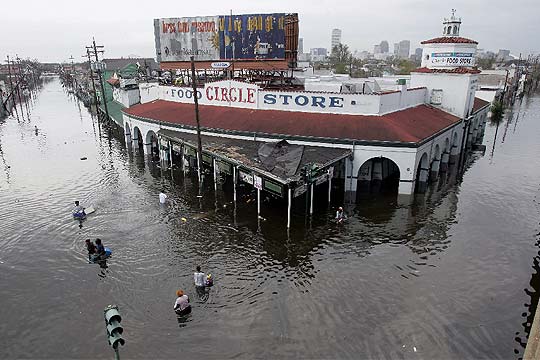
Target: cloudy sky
point(53, 30)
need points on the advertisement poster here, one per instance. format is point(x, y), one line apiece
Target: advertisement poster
point(212, 38)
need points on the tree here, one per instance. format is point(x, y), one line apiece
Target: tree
point(497, 112)
point(486, 63)
point(405, 67)
point(340, 57)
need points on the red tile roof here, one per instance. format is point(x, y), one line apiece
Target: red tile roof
point(113, 82)
point(458, 70)
point(410, 125)
point(449, 40)
point(479, 104)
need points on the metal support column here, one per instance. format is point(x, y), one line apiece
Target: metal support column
point(258, 202)
point(234, 183)
point(289, 205)
point(170, 154)
point(215, 174)
point(329, 187)
point(311, 199)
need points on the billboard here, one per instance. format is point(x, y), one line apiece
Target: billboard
point(224, 37)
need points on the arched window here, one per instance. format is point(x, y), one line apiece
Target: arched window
point(455, 29)
point(444, 30)
point(448, 30)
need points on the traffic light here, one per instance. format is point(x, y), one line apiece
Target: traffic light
point(114, 329)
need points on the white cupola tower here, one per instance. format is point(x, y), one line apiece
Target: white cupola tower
point(451, 25)
point(448, 69)
point(449, 50)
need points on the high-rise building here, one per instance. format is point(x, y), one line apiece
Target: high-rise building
point(503, 55)
point(300, 45)
point(336, 38)
point(402, 49)
point(384, 46)
point(377, 49)
point(318, 54)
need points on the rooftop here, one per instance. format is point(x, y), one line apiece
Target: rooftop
point(449, 40)
point(479, 104)
point(457, 70)
point(283, 168)
point(406, 127)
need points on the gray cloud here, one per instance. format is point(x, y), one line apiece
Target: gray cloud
point(54, 30)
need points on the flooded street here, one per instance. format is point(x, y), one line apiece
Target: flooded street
point(454, 274)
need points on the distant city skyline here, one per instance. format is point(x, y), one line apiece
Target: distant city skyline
point(36, 29)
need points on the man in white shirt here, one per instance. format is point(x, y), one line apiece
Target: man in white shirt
point(199, 278)
point(162, 197)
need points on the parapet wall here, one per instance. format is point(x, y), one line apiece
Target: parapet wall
point(240, 94)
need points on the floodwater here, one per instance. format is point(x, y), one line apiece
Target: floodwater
point(454, 274)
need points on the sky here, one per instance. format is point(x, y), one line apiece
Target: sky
point(54, 30)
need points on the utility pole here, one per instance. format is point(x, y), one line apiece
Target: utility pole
point(73, 79)
point(199, 144)
point(10, 80)
point(95, 50)
point(18, 78)
point(91, 75)
point(18, 85)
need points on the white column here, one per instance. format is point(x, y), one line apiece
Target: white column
point(289, 203)
point(199, 170)
point(329, 188)
point(311, 200)
point(215, 174)
point(170, 153)
point(234, 183)
point(258, 202)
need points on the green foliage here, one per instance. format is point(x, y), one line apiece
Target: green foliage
point(340, 55)
point(340, 69)
point(405, 67)
point(497, 112)
point(485, 63)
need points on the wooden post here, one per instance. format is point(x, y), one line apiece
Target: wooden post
point(98, 68)
point(289, 205)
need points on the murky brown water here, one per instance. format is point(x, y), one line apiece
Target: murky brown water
point(452, 275)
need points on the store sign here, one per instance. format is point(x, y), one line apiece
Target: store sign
point(220, 65)
point(257, 182)
point(245, 177)
point(321, 179)
point(452, 59)
point(300, 190)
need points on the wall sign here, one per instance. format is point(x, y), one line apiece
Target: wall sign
point(257, 182)
point(245, 177)
point(452, 59)
point(220, 65)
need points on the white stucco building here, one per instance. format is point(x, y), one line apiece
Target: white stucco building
point(365, 139)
